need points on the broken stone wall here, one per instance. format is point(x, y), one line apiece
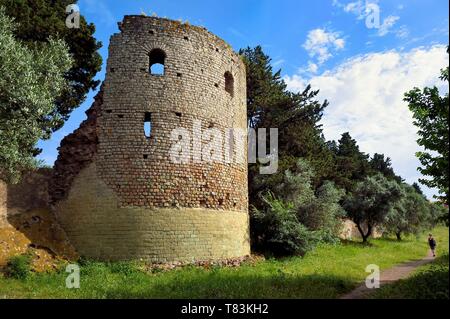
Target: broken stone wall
point(3, 203)
point(76, 151)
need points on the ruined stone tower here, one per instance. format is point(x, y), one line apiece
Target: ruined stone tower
point(115, 190)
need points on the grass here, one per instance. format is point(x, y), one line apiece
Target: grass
point(428, 282)
point(19, 266)
point(326, 272)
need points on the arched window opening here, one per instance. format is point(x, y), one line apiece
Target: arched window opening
point(229, 83)
point(148, 124)
point(157, 61)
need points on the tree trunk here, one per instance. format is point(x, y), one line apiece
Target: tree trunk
point(399, 235)
point(364, 236)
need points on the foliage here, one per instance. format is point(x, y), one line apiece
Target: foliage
point(431, 116)
point(409, 215)
point(295, 216)
point(352, 165)
point(283, 233)
point(296, 115)
point(370, 202)
point(382, 165)
point(438, 214)
point(418, 188)
point(19, 267)
point(41, 20)
point(31, 80)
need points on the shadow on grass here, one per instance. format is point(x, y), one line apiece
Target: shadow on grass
point(353, 243)
point(215, 285)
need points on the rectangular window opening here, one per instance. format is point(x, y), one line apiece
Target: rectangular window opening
point(148, 124)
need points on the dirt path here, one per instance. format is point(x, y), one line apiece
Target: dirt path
point(388, 276)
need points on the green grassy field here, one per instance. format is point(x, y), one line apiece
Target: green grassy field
point(326, 272)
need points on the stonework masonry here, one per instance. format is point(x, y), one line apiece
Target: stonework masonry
point(116, 191)
point(3, 203)
point(31, 194)
point(101, 230)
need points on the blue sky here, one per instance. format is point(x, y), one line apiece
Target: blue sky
point(362, 71)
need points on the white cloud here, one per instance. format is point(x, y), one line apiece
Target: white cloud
point(320, 44)
point(358, 8)
point(312, 67)
point(402, 32)
point(361, 9)
point(366, 99)
point(387, 24)
point(278, 62)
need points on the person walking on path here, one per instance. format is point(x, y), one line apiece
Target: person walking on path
point(432, 244)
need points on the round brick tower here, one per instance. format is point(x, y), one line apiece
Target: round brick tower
point(116, 189)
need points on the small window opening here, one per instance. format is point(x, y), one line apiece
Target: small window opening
point(151, 32)
point(145, 156)
point(229, 83)
point(178, 114)
point(179, 75)
point(109, 111)
point(216, 85)
point(113, 70)
point(217, 50)
point(148, 124)
point(120, 116)
point(186, 38)
point(157, 61)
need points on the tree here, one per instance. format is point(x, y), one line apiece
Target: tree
point(438, 214)
point(418, 189)
point(31, 80)
point(283, 233)
point(41, 20)
point(431, 116)
point(370, 201)
point(382, 165)
point(296, 115)
point(409, 215)
point(352, 165)
point(293, 218)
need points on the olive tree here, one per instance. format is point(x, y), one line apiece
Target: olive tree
point(31, 79)
point(409, 214)
point(370, 202)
